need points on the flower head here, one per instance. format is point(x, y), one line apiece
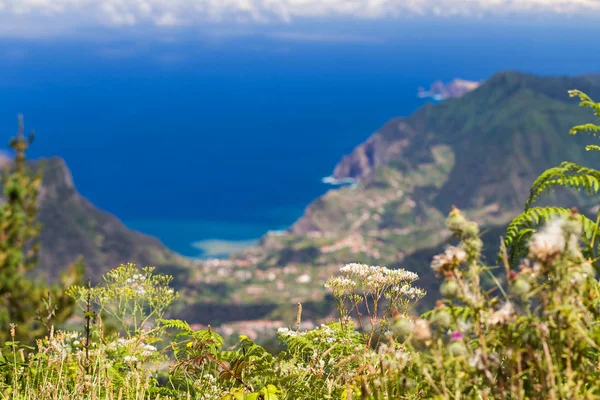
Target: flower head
point(452, 257)
point(556, 237)
point(502, 316)
point(421, 330)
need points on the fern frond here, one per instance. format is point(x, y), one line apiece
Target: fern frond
point(178, 324)
point(586, 101)
point(523, 226)
point(567, 175)
point(591, 129)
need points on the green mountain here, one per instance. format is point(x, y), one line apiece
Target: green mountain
point(73, 227)
point(480, 152)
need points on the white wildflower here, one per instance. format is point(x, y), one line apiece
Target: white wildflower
point(401, 275)
point(410, 292)
point(552, 240)
point(421, 330)
point(148, 350)
point(376, 279)
point(464, 326)
point(502, 316)
point(450, 258)
point(360, 270)
point(341, 285)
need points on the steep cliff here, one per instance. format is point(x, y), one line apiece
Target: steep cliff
point(507, 131)
point(73, 227)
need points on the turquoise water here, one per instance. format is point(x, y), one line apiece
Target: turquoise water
point(182, 235)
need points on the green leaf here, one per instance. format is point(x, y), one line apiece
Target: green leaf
point(235, 394)
point(567, 175)
point(270, 392)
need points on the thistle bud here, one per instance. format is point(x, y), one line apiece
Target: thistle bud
point(457, 348)
point(456, 220)
point(588, 269)
point(471, 229)
point(472, 244)
point(402, 327)
point(521, 287)
point(442, 318)
point(449, 288)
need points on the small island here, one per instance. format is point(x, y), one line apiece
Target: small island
point(440, 91)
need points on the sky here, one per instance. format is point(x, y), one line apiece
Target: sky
point(49, 18)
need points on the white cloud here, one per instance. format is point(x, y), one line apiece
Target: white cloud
point(322, 37)
point(169, 13)
point(167, 19)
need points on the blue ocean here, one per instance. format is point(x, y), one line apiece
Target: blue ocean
point(199, 141)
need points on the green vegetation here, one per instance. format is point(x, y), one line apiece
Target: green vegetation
point(535, 337)
point(528, 328)
point(30, 304)
point(566, 175)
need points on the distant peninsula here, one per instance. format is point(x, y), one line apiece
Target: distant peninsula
point(454, 89)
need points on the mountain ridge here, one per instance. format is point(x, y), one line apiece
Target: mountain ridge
point(480, 152)
point(72, 226)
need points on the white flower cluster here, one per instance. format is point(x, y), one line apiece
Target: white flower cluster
point(287, 332)
point(148, 350)
point(367, 271)
point(409, 292)
point(209, 386)
point(502, 316)
point(61, 344)
point(130, 359)
point(136, 282)
point(450, 258)
point(120, 343)
point(361, 270)
point(341, 286)
point(375, 279)
point(553, 240)
point(133, 347)
point(322, 334)
point(393, 357)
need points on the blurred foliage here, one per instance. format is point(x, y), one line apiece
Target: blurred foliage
point(32, 305)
